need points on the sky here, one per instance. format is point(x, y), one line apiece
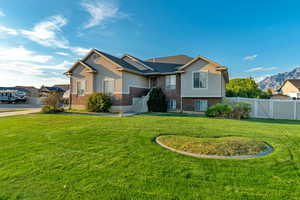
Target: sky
point(40, 40)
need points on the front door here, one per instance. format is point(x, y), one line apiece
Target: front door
point(153, 81)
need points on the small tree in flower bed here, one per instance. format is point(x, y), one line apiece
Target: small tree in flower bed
point(53, 103)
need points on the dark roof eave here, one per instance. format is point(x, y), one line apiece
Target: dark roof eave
point(151, 73)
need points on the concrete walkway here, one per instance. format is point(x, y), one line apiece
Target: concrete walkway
point(24, 112)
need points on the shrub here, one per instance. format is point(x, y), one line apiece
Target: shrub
point(240, 110)
point(229, 109)
point(52, 103)
point(98, 102)
point(219, 110)
point(157, 101)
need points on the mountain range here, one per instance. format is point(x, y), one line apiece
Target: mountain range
point(275, 81)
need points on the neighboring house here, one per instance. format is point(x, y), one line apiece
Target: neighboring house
point(291, 88)
point(64, 87)
point(280, 97)
point(32, 91)
point(45, 91)
point(190, 84)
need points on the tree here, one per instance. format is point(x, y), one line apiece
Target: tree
point(52, 103)
point(244, 87)
point(157, 101)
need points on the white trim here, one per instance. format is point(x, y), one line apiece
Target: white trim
point(85, 87)
point(103, 85)
point(137, 61)
point(199, 71)
point(166, 88)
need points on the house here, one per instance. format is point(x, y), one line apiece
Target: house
point(190, 84)
point(64, 87)
point(45, 91)
point(31, 91)
point(291, 88)
point(280, 97)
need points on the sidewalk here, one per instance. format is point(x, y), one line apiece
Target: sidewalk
point(25, 112)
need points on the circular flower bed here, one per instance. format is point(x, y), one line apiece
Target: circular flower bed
point(224, 147)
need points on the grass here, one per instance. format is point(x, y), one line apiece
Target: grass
point(97, 157)
point(4, 111)
point(223, 146)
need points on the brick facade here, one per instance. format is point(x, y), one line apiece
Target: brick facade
point(188, 103)
point(117, 99)
point(171, 93)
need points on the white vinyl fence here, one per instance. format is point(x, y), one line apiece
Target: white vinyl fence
point(271, 108)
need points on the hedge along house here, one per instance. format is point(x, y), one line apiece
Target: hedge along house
point(190, 84)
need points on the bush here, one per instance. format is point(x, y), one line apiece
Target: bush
point(219, 110)
point(157, 101)
point(240, 110)
point(52, 103)
point(98, 102)
point(229, 109)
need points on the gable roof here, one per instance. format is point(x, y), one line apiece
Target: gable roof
point(51, 89)
point(90, 68)
point(65, 87)
point(154, 66)
point(178, 59)
point(294, 82)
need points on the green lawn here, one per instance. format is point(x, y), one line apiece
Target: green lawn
point(93, 157)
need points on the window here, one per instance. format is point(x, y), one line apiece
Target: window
point(108, 86)
point(172, 104)
point(200, 105)
point(171, 82)
point(200, 79)
point(81, 88)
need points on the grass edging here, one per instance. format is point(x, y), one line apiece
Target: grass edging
point(268, 151)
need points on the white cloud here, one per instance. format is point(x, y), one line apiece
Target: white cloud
point(8, 31)
point(32, 68)
point(2, 14)
point(256, 69)
point(79, 50)
point(22, 54)
point(62, 53)
point(27, 73)
point(8, 78)
point(48, 33)
point(100, 11)
point(250, 57)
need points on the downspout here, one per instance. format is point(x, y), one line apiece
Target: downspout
point(70, 95)
point(181, 106)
